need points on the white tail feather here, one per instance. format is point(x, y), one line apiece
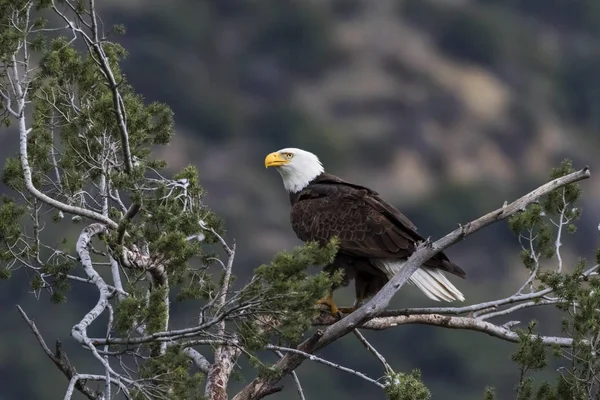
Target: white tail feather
point(435, 285)
point(431, 281)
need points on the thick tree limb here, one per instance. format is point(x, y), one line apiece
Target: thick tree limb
point(79, 331)
point(225, 355)
point(198, 359)
point(259, 387)
point(452, 322)
point(220, 371)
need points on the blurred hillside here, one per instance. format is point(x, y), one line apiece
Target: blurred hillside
point(446, 107)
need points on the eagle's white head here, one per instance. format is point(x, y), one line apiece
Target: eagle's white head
point(297, 167)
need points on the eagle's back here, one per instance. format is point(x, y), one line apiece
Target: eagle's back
point(365, 224)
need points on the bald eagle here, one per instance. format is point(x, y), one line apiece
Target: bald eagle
point(375, 239)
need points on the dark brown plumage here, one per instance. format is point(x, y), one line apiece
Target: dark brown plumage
point(366, 225)
point(375, 239)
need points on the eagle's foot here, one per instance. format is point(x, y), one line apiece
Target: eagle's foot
point(328, 301)
point(347, 310)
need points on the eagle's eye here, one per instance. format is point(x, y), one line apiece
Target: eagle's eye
point(289, 156)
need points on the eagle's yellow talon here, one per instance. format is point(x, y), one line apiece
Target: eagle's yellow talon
point(356, 306)
point(328, 301)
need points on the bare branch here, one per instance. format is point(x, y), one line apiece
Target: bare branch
point(320, 360)
point(452, 322)
point(78, 378)
point(374, 351)
point(225, 355)
point(165, 336)
point(518, 307)
point(59, 359)
point(120, 291)
point(295, 377)
point(79, 331)
point(488, 305)
point(298, 385)
point(199, 360)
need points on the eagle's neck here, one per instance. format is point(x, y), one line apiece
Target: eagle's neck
point(295, 196)
point(297, 178)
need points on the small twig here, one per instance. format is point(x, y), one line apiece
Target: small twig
point(536, 260)
point(295, 377)
point(388, 369)
point(121, 292)
point(518, 307)
point(320, 360)
point(468, 309)
point(227, 277)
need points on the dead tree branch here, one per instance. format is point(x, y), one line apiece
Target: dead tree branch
point(59, 358)
point(225, 355)
point(320, 360)
point(452, 322)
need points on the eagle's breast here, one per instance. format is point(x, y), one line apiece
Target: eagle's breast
point(324, 211)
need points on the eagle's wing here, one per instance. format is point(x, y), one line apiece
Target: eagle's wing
point(327, 210)
point(366, 225)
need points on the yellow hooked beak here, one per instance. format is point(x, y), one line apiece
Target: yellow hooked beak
point(275, 160)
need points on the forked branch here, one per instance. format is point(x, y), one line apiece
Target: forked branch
point(59, 358)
